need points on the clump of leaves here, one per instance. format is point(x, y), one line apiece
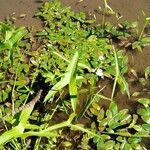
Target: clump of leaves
point(144, 112)
point(13, 67)
point(10, 38)
point(120, 32)
point(17, 72)
point(121, 126)
point(143, 40)
point(22, 122)
point(65, 33)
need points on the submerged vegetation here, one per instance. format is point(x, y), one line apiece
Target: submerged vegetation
point(44, 75)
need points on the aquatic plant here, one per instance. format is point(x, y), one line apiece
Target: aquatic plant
point(72, 53)
point(67, 33)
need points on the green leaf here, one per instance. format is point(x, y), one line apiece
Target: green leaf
point(138, 128)
point(136, 146)
point(145, 41)
point(113, 108)
point(134, 140)
point(19, 34)
point(10, 134)
point(109, 145)
point(109, 114)
point(73, 90)
point(112, 124)
point(115, 121)
point(100, 115)
point(146, 127)
point(84, 66)
point(142, 134)
point(66, 144)
point(85, 142)
point(123, 85)
point(12, 37)
point(127, 146)
point(146, 119)
point(99, 143)
point(95, 106)
point(144, 112)
point(104, 122)
point(66, 79)
point(94, 111)
point(147, 72)
point(144, 101)
point(125, 119)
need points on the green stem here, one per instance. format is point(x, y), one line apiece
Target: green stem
point(77, 127)
point(104, 13)
point(46, 118)
point(141, 34)
point(126, 134)
point(10, 81)
point(117, 73)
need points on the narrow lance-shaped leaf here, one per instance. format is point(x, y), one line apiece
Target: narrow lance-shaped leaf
point(84, 66)
point(19, 34)
point(18, 130)
point(73, 92)
point(10, 134)
point(65, 80)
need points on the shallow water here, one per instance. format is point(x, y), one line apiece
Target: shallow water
point(130, 9)
point(28, 7)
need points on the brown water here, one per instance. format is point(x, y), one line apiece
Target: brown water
point(18, 7)
point(130, 9)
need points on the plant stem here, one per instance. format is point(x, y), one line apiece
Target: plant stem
point(77, 127)
point(126, 134)
point(141, 34)
point(117, 73)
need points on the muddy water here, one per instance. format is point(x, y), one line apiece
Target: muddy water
point(130, 9)
point(15, 8)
